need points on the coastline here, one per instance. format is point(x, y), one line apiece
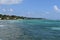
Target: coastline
point(14, 17)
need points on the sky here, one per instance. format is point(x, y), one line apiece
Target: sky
point(49, 9)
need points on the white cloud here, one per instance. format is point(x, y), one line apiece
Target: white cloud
point(4, 10)
point(47, 13)
point(7, 10)
point(56, 8)
point(10, 1)
point(11, 10)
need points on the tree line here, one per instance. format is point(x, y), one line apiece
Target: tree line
point(7, 17)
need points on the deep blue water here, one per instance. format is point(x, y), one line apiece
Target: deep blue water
point(29, 30)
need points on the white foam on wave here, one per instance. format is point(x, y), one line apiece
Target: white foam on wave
point(0, 39)
point(2, 25)
point(55, 28)
point(12, 21)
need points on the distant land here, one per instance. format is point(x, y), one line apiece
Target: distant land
point(14, 17)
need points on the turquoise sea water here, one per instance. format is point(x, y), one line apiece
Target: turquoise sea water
point(29, 30)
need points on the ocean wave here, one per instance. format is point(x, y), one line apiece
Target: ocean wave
point(2, 25)
point(55, 28)
point(0, 39)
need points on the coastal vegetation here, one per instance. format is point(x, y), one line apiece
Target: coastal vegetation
point(14, 17)
point(10, 17)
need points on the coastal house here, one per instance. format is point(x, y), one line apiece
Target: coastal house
point(0, 18)
point(7, 18)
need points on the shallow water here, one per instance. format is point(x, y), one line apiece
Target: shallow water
point(29, 30)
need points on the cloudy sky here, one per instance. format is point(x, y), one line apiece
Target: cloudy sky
point(31, 8)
